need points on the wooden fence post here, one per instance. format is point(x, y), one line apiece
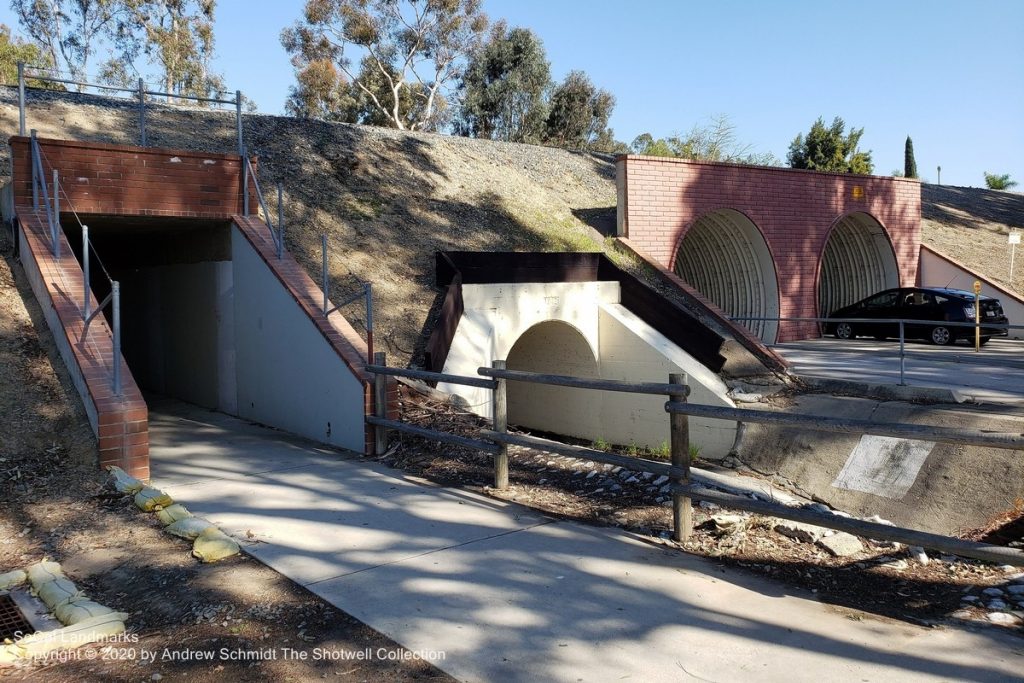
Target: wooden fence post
point(380, 404)
point(500, 405)
point(679, 428)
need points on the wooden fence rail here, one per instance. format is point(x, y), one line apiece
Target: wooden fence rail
point(497, 440)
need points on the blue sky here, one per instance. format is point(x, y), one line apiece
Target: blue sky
point(950, 74)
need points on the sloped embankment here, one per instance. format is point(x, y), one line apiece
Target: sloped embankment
point(971, 224)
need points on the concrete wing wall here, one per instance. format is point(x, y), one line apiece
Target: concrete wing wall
point(289, 375)
point(940, 270)
point(581, 329)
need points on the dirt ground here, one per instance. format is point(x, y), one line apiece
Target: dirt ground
point(882, 580)
point(53, 505)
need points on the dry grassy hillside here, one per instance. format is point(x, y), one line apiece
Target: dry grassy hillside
point(971, 225)
point(387, 200)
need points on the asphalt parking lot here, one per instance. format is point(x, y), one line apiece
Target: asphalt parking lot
point(993, 375)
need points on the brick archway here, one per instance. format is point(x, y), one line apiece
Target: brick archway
point(795, 210)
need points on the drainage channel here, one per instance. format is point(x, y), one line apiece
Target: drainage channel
point(13, 624)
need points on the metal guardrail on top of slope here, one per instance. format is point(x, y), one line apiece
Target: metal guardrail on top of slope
point(497, 439)
point(138, 92)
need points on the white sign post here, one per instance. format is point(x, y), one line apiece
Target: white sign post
point(1014, 238)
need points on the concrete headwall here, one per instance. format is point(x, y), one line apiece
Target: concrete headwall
point(939, 270)
point(581, 329)
point(288, 375)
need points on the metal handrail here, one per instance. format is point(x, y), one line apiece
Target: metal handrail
point(39, 181)
point(140, 92)
point(276, 235)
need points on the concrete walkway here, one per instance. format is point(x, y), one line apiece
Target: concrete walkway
point(510, 595)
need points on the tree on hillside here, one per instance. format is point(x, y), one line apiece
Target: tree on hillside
point(70, 32)
point(177, 37)
point(909, 162)
point(999, 182)
point(504, 86)
point(830, 149)
point(712, 141)
point(408, 51)
point(578, 115)
point(14, 50)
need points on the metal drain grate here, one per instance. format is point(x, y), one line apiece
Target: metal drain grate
point(12, 622)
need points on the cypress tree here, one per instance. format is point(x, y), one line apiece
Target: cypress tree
point(909, 163)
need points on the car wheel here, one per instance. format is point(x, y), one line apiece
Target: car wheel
point(985, 340)
point(941, 336)
point(844, 331)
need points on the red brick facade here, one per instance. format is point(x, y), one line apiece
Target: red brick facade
point(120, 180)
point(795, 210)
point(117, 180)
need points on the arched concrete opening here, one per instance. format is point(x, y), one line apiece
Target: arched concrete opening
point(858, 260)
point(725, 257)
point(556, 348)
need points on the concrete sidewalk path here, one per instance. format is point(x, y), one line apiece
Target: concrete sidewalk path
point(508, 594)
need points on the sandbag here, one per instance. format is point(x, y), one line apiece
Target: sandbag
point(57, 592)
point(189, 528)
point(12, 579)
point(79, 609)
point(68, 638)
point(44, 572)
point(213, 544)
point(124, 482)
point(172, 514)
point(149, 498)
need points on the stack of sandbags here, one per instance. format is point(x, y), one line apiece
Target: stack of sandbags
point(210, 543)
point(85, 621)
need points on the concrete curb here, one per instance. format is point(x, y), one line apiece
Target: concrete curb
point(885, 392)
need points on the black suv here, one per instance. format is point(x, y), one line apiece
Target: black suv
point(935, 305)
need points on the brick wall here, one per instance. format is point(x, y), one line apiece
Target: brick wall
point(121, 423)
point(660, 199)
point(121, 180)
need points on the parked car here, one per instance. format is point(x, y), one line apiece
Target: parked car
point(934, 305)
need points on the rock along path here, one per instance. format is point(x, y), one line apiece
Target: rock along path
point(508, 594)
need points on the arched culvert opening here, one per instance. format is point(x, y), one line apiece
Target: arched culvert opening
point(725, 257)
point(554, 348)
point(858, 261)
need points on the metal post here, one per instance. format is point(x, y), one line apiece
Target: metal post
point(21, 98)
point(903, 358)
point(380, 403)
point(142, 113)
point(85, 272)
point(369, 320)
point(499, 403)
point(245, 183)
point(326, 284)
point(55, 227)
point(280, 219)
point(238, 120)
point(33, 151)
point(977, 319)
point(679, 429)
point(116, 303)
